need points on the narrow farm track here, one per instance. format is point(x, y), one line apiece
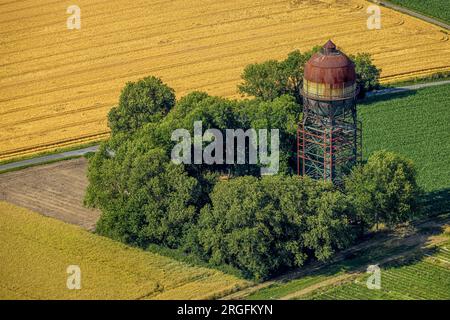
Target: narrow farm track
point(57, 85)
point(417, 239)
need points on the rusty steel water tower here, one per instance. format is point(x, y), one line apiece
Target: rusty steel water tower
point(329, 136)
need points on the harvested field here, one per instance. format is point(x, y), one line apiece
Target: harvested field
point(36, 252)
point(57, 85)
point(55, 190)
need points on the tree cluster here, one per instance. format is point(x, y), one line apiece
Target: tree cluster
point(228, 214)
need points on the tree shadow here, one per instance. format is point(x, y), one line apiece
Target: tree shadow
point(436, 202)
point(391, 94)
point(393, 249)
point(399, 243)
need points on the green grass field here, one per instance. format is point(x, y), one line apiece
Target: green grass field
point(414, 124)
point(35, 252)
point(434, 8)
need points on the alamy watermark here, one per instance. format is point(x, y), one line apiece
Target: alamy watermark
point(74, 20)
point(374, 20)
point(234, 149)
point(74, 279)
point(374, 280)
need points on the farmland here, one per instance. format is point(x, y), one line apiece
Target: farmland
point(416, 279)
point(409, 264)
point(433, 8)
point(57, 85)
point(55, 190)
point(36, 252)
point(414, 124)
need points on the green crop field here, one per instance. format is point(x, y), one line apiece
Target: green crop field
point(423, 274)
point(433, 8)
point(427, 278)
point(415, 124)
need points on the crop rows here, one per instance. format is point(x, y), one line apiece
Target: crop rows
point(56, 85)
point(414, 124)
point(414, 280)
point(432, 8)
point(36, 252)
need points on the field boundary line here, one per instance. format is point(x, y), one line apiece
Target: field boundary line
point(50, 157)
point(411, 13)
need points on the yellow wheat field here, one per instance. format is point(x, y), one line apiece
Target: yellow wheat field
point(57, 85)
point(35, 252)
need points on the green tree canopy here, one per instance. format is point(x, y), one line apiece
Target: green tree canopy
point(262, 226)
point(271, 79)
point(266, 80)
point(144, 101)
point(282, 113)
point(367, 74)
point(144, 197)
point(383, 190)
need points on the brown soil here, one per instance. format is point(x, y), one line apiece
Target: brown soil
point(55, 190)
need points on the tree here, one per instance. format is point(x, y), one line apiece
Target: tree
point(272, 79)
point(264, 225)
point(144, 197)
point(282, 113)
point(293, 68)
point(367, 74)
point(144, 101)
point(265, 80)
point(384, 190)
point(328, 222)
point(242, 228)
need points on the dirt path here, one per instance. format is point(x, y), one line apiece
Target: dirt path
point(406, 88)
point(322, 284)
point(356, 273)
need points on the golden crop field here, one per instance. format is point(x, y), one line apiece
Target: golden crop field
point(35, 252)
point(57, 85)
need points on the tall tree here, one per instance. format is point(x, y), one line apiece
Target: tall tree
point(144, 101)
point(144, 197)
point(367, 74)
point(384, 190)
point(265, 80)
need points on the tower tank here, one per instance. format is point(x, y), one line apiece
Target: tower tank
point(328, 138)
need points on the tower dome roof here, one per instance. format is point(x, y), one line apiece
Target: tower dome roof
point(330, 66)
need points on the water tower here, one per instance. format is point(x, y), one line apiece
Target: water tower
point(329, 136)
